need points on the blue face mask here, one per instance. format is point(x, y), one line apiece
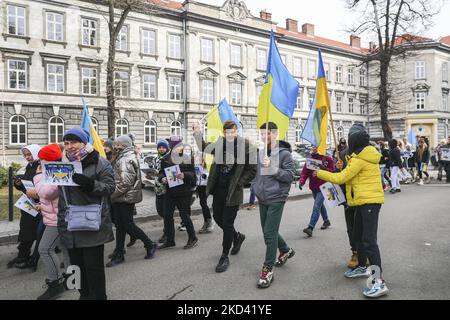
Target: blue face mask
point(78, 155)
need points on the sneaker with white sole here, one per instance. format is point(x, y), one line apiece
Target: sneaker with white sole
point(358, 272)
point(266, 277)
point(283, 257)
point(379, 289)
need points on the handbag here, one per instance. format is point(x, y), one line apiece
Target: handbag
point(83, 218)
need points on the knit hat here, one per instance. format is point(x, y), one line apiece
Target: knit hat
point(358, 138)
point(52, 152)
point(163, 143)
point(174, 141)
point(77, 134)
point(124, 141)
point(108, 143)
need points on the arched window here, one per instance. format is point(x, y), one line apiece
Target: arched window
point(175, 128)
point(55, 129)
point(298, 134)
point(121, 127)
point(329, 135)
point(95, 123)
point(340, 133)
point(150, 132)
point(17, 130)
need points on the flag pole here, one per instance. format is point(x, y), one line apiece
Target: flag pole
point(334, 135)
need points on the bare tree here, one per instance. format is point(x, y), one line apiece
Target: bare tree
point(396, 25)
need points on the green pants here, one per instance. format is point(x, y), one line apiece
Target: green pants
point(270, 222)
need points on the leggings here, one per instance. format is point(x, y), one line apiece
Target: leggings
point(50, 239)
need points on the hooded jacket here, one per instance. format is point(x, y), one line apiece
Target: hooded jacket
point(48, 200)
point(273, 184)
point(315, 182)
point(127, 176)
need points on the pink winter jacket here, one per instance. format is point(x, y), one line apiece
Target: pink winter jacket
point(314, 182)
point(48, 200)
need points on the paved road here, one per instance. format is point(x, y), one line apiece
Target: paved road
point(414, 239)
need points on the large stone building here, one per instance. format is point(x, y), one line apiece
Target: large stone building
point(173, 67)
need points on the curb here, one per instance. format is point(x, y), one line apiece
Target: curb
point(12, 238)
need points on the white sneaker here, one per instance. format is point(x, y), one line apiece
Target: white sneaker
point(211, 226)
point(358, 272)
point(420, 182)
point(379, 289)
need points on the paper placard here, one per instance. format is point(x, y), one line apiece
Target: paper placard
point(171, 174)
point(445, 154)
point(332, 194)
point(27, 184)
point(313, 164)
point(202, 175)
point(60, 173)
point(25, 204)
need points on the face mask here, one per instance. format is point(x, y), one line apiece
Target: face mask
point(109, 155)
point(77, 156)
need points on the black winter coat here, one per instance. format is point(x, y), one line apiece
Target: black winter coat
point(190, 179)
point(395, 159)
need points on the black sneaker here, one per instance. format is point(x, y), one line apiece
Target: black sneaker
point(54, 290)
point(162, 239)
point(191, 243)
point(166, 245)
point(325, 225)
point(132, 242)
point(398, 190)
point(112, 255)
point(12, 262)
point(308, 231)
point(223, 264)
point(237, 243)
point(151, 251)
point(116, 260)
point(283, 257)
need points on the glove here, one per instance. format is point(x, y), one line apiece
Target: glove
point(86, 184)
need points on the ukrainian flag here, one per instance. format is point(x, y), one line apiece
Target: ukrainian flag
point(316, 128)
point(94, 139)
point(217, 117)
point(279, 94)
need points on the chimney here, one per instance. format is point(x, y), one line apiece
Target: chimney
point(371, 46)
point(292, 25)
point(308, 29)
point(355, 41)
point(265, 15)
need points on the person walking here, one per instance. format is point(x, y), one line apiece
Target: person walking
point(319, 208)
point(95, 185)
point(364, 191)
point(423, 157)
point(446, 160)
point(128, 192)
point(201, 172)
point(396, 164)
point(230, 171)
point(274, 176)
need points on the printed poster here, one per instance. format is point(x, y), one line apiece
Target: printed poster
point(313, 164)
point(25, 204)
point(27, 184)
point(60, 173)
point(332, 194)
point(202, 175)
point(171, 174)
point(445, 154)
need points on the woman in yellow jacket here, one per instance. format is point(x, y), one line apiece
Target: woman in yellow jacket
point(364, 191)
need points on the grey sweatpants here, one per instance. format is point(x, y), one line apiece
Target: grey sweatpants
point(49, 241)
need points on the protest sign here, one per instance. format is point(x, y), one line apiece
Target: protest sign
point(60, 173)
point(25, 204)
point(313, 164)
point(332, 194)
point(171, 174)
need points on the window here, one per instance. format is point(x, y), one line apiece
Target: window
point(174, 88)
point(55, 78)
point(207, 50)
point(55, 26)
point(351, 104)
point(17, 74)
point(326, 67)
point(16, 20)
point(299, 99)
point(445, 71)
point(17, 130)
point(311, 95)
point(362, 77)
point(208, 91)
point(121, 83)
point(351, 75)
point(445, 101)
point(338, 103)
point(122, 39)
point(340, 133)
point(89, 80)
point(312, 69)
point(149, 85)
point(362, 105)
point(174, 46)
point(175, 128)
point(329, 136)
point(89, 32)
point(339, 74)
point(259, 88)
point(236, 93)
point(95, 123)
point(261, 59)
point(121, 127)
point(236, 55)
point(297, 67)
point(420, 100)
point(298, 134)
point(283, 58)
point(55, 130)
point(150, 132)
point(420, 70)
point(149, 42)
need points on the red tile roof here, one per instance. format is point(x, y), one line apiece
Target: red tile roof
point(167, 4)
point(445, 40)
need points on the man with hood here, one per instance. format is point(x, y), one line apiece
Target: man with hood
point(29, 225)
point(274, 175)
point(364, 191)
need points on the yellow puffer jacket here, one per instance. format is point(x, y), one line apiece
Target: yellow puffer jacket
point(362, 178)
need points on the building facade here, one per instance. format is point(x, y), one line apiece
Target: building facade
point(172, 68)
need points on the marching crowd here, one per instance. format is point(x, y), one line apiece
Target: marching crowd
point(78, 220)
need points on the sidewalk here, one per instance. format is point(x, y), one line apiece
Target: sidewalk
point(146, 211)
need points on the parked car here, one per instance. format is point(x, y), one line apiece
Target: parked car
point(299, 162)
point(148, 171)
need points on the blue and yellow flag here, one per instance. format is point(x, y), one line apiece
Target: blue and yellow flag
point(279, 94)
point(217, 117)
point(316, 128)
point(94, 139)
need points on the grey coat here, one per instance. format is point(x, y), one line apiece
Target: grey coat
point(273, 184)
point(127, 176)
point(98, 168)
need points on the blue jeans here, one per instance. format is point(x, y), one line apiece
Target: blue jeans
point(252, 197)
point(318, 209)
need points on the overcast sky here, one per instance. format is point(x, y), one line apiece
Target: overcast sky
point(328, 16)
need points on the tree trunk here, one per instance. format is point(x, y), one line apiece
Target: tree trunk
point(110, 89)
point(384, 97)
